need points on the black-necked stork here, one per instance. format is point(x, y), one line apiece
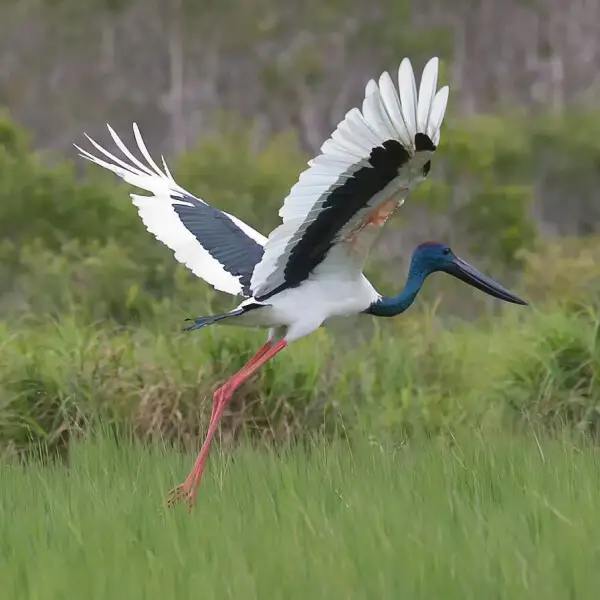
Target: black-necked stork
point(310, 267)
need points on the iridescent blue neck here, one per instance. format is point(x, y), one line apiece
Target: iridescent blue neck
point(394, 305)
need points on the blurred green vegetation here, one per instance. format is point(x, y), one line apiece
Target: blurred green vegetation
point(91, 304)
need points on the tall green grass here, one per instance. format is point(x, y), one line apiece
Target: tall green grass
point(417, 373)
point(471, 516)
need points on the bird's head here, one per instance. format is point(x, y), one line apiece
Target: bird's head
point(433, 256)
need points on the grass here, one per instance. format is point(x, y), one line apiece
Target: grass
point(466, 517)
point(415, 373)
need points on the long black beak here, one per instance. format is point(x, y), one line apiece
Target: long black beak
point(465, 272)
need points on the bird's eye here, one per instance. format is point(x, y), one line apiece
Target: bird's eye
point(446, 251)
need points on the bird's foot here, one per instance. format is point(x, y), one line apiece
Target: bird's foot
point(182, 493)
point(186, 492)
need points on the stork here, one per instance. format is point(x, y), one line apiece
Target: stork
point(310, 268)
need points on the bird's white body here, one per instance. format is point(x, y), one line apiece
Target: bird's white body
point(309, 269)
point(302, 310)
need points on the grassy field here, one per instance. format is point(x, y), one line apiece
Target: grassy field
point(500, 516)
point(417, 374)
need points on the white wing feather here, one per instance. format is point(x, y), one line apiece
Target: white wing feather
point(438, 109)
point(408, 96)
point(157, 212)
point(426, 94)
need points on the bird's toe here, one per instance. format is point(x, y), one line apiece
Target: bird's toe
point(177, 495)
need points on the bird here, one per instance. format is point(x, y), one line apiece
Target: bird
point(310, 267)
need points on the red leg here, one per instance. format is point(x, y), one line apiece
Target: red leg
point(217, 398)
point(187, 491)
point(256, 357)
point(218, 395)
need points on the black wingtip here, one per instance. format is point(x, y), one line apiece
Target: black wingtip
point(423, 143)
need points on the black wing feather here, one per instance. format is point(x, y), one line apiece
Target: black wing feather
point(219, 235)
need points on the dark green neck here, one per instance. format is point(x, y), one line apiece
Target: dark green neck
point(394, 305)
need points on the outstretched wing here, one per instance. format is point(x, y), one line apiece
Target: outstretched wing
point(214, 245)
point(364, 172)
